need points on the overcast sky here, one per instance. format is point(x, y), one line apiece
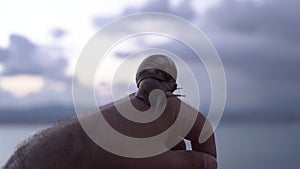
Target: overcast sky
point(257, 40)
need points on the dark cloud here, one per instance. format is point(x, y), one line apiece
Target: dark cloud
point(24, 57)
point(183, 9)
point(258, 44)
point(3, 55)
point(273, 18)
point(6, 98)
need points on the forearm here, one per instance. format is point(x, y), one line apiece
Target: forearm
point(209, 145)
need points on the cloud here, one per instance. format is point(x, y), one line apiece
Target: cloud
point(258, 43)
point(3, 55)
point(58, 33)
point(22, 60)
point(24, 57)
point(272, 18)
point(183, 9)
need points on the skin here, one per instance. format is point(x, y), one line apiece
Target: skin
point(66, 145)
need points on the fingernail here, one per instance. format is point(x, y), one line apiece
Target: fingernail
point(210, 162)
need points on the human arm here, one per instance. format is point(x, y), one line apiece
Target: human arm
point(209, 145)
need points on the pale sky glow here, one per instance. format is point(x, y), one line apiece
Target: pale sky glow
point(57, 86)
point(129, 46)
point(22, 85)
point(202, 5)
point(36, 19)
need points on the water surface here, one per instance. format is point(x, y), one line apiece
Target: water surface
point(240, 146)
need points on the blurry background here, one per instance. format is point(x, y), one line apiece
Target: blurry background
point(257, 40)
